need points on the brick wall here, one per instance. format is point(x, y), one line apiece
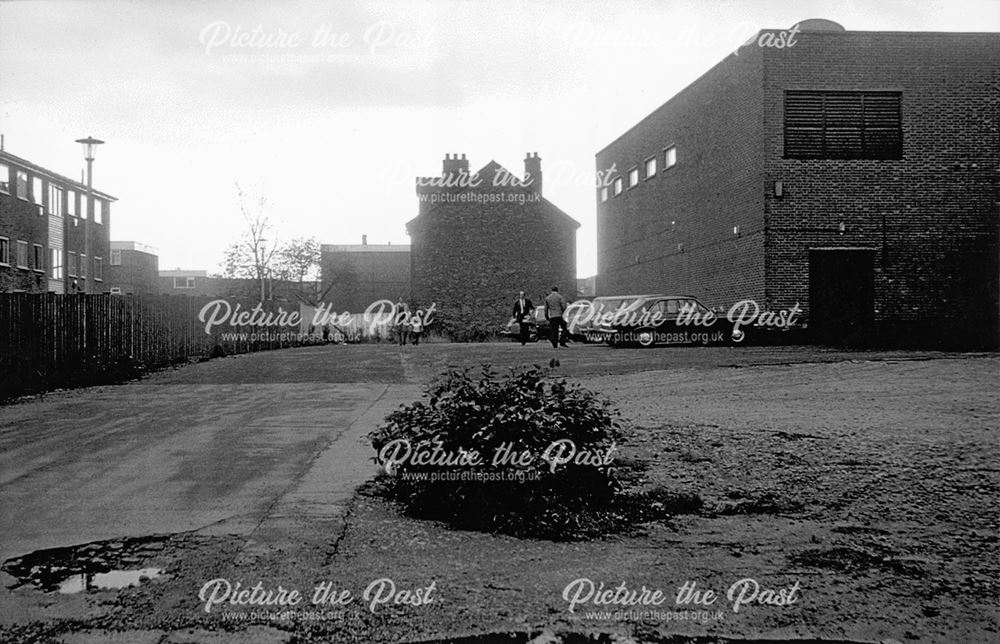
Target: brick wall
point(717, 184)
point(931, 217)
point(138, 273)
point(19, 221)
point(353, 279)
point(471, 257)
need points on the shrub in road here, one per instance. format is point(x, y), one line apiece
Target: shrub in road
point(523, 453)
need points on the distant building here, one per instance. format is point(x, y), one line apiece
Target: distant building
point(191, 282)
point(586, 286)
point(853, 173)
point(480, 238)
point(201, 284)
point(356, 275)
point(133, 269)
point(54, 231)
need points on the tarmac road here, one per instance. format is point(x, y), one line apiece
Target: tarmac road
point(156, 457)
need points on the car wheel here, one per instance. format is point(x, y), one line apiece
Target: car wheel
point(646, 337)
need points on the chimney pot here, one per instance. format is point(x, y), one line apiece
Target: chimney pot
point(533, 171)
point(364, 240)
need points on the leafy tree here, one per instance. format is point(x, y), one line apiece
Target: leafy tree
point(298, 259)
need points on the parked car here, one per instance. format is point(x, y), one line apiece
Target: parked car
point(671, 320)
point(538, 328)
point(586, 319)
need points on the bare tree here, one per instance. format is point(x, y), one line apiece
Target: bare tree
point(253, 255)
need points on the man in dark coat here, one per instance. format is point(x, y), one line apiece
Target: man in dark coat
point(523, 312)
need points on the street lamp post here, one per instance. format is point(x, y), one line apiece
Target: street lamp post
point(89, 147)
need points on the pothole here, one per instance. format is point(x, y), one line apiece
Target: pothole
point(766, 503)
point(100, 565)
point(855, 560)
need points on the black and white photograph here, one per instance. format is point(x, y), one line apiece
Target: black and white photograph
point(499, 322)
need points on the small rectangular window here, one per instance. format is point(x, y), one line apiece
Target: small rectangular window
point(98, 269)
point(617, 186)
point(116, 257)
point(183, 282)
point(71, 203)
point(37, 192)
point(650, 167)
point(22, 254)
point(97, 207)
point(72, 263)
point(22, 185)
point(4, 178)
point(55, 263)
point(4, 251)
point(38, 258)
point(604, 194)
point(55, 200)
point(670, 157)
point(633, 177)
point(83, 266)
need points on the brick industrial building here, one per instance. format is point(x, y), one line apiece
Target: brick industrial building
point(854, 173)
point(54, 231)
point(353, 276)
point(480, 238)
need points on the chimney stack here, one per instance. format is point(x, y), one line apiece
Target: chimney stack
point(364, 240)
point(454, 165)
point(533, 171)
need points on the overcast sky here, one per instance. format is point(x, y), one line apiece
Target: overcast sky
point(344, 103)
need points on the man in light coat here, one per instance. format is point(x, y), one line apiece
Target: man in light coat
point(555, 306)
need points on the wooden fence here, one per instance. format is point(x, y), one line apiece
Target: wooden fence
point(50, 341)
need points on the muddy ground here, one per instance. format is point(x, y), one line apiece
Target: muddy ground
point(867, 482)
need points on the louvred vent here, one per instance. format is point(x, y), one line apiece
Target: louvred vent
point(843, 125)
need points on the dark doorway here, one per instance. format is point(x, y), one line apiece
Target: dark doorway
point(842, 296)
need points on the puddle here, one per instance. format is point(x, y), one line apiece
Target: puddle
point(107, 580)
point(101, 565)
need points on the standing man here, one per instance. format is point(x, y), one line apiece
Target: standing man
point(416, 326)
point(523, 311)
point(555, 306)
point(401, 320)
